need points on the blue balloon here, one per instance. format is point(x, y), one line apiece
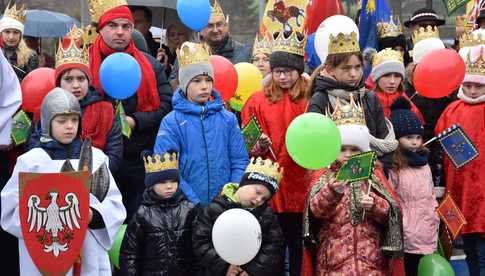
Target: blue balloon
point(194, 13)
point(120, 75)
point(313, 60)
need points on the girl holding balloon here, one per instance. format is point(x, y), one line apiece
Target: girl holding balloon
point(282, 100)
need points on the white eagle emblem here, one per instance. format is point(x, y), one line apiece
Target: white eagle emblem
point(54, 220)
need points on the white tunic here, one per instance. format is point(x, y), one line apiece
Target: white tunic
point(95, 260)
point(10, 99)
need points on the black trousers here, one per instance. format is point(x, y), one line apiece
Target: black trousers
point(291, 225)
point(411, 263)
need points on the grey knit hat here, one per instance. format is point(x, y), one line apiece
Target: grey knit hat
point(391, 66)
point(188, 72)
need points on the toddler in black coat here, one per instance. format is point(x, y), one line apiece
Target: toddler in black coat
point(158, 238)
point(259, 183)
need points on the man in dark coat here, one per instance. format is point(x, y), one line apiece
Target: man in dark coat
point(216, 34)
point(144, 110)
point(143, 21)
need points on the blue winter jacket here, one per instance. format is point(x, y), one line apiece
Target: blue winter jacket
point(210, 145)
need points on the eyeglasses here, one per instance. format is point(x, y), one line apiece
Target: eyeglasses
point(285, 72)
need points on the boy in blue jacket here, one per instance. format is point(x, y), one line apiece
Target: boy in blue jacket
point(208, 138)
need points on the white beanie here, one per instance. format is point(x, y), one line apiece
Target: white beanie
point(10, 23)
point(426, 46)
point(355, 135)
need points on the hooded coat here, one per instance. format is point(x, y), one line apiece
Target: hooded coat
point(209, 142)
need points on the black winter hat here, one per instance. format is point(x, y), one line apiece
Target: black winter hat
point(424, 14)
point(287, 60)
point(269, 182)
point(404, 121)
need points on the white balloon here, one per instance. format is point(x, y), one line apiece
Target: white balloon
point(236, 236)
point(332, 26)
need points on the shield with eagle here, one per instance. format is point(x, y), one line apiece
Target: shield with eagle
point(54, 214)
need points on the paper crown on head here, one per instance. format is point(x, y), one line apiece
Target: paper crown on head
point(15, 13)
point(72, 49)
point(89, 34)
point(462, 21)
point(471, 40)
point(476, 66)
point(156, 164)
point(217, 10)
point(193, 53)
point(424, 33)
point(351, 113)
point(343, 43)
point(263, 46)
point(265, 167)
point(389, 29)
point(385, 55)
point(98, 7)
point(291, 44)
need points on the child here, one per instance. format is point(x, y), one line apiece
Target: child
point(388, 74)
point(412, 180)
point(354, 224)
point(259, 183)
point(60, 115)
point(342, 76)
point(465, 184)
point(208, 138)
point(158, 238)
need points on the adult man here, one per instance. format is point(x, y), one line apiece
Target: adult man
point(143, 21)
point(22, 59)
point(146, 108)
point(216, 34)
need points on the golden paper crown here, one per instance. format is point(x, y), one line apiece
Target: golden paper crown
point(290, 44)
point(14, 13)
point(475, 67)
point(89, 34)
point(262, 46)
point(98, 7)
point(387, 54)
point(155, 163)
point(425, 33)
point(217, 10)
point(193, 53)
point(73, 52)
point(471, 40)
point(343, 43)
point(389, 29)
point(265, 167)
point(351, 113)
point(462, 21)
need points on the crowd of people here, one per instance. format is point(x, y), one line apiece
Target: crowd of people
point(187, 162)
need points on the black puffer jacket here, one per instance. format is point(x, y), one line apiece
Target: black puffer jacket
point(158, 238)
point(374, 114)
point(269, 260)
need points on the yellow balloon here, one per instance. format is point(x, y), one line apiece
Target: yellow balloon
point(249, 80)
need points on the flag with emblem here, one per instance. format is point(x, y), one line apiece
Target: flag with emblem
point(451, 216)
point(121, 117)
point(373, 12)
point(457, 146)
point(251, 133)
point(20, 128)
point(453, 5)
point(358, 167)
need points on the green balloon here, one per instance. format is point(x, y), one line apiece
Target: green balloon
point(114, 252)
point(434, 265)
point(313, 141)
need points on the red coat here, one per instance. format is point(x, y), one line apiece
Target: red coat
point(274, 119)
point(466, 184)
point(387, 99)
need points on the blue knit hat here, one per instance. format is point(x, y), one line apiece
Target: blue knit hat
point(404, 121)
point(159, 168)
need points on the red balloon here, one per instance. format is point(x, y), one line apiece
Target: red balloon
point(439, 73)
point(35, 87)
point(225, 76)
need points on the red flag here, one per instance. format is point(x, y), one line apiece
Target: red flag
point(451, 216)
point(319, 10)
